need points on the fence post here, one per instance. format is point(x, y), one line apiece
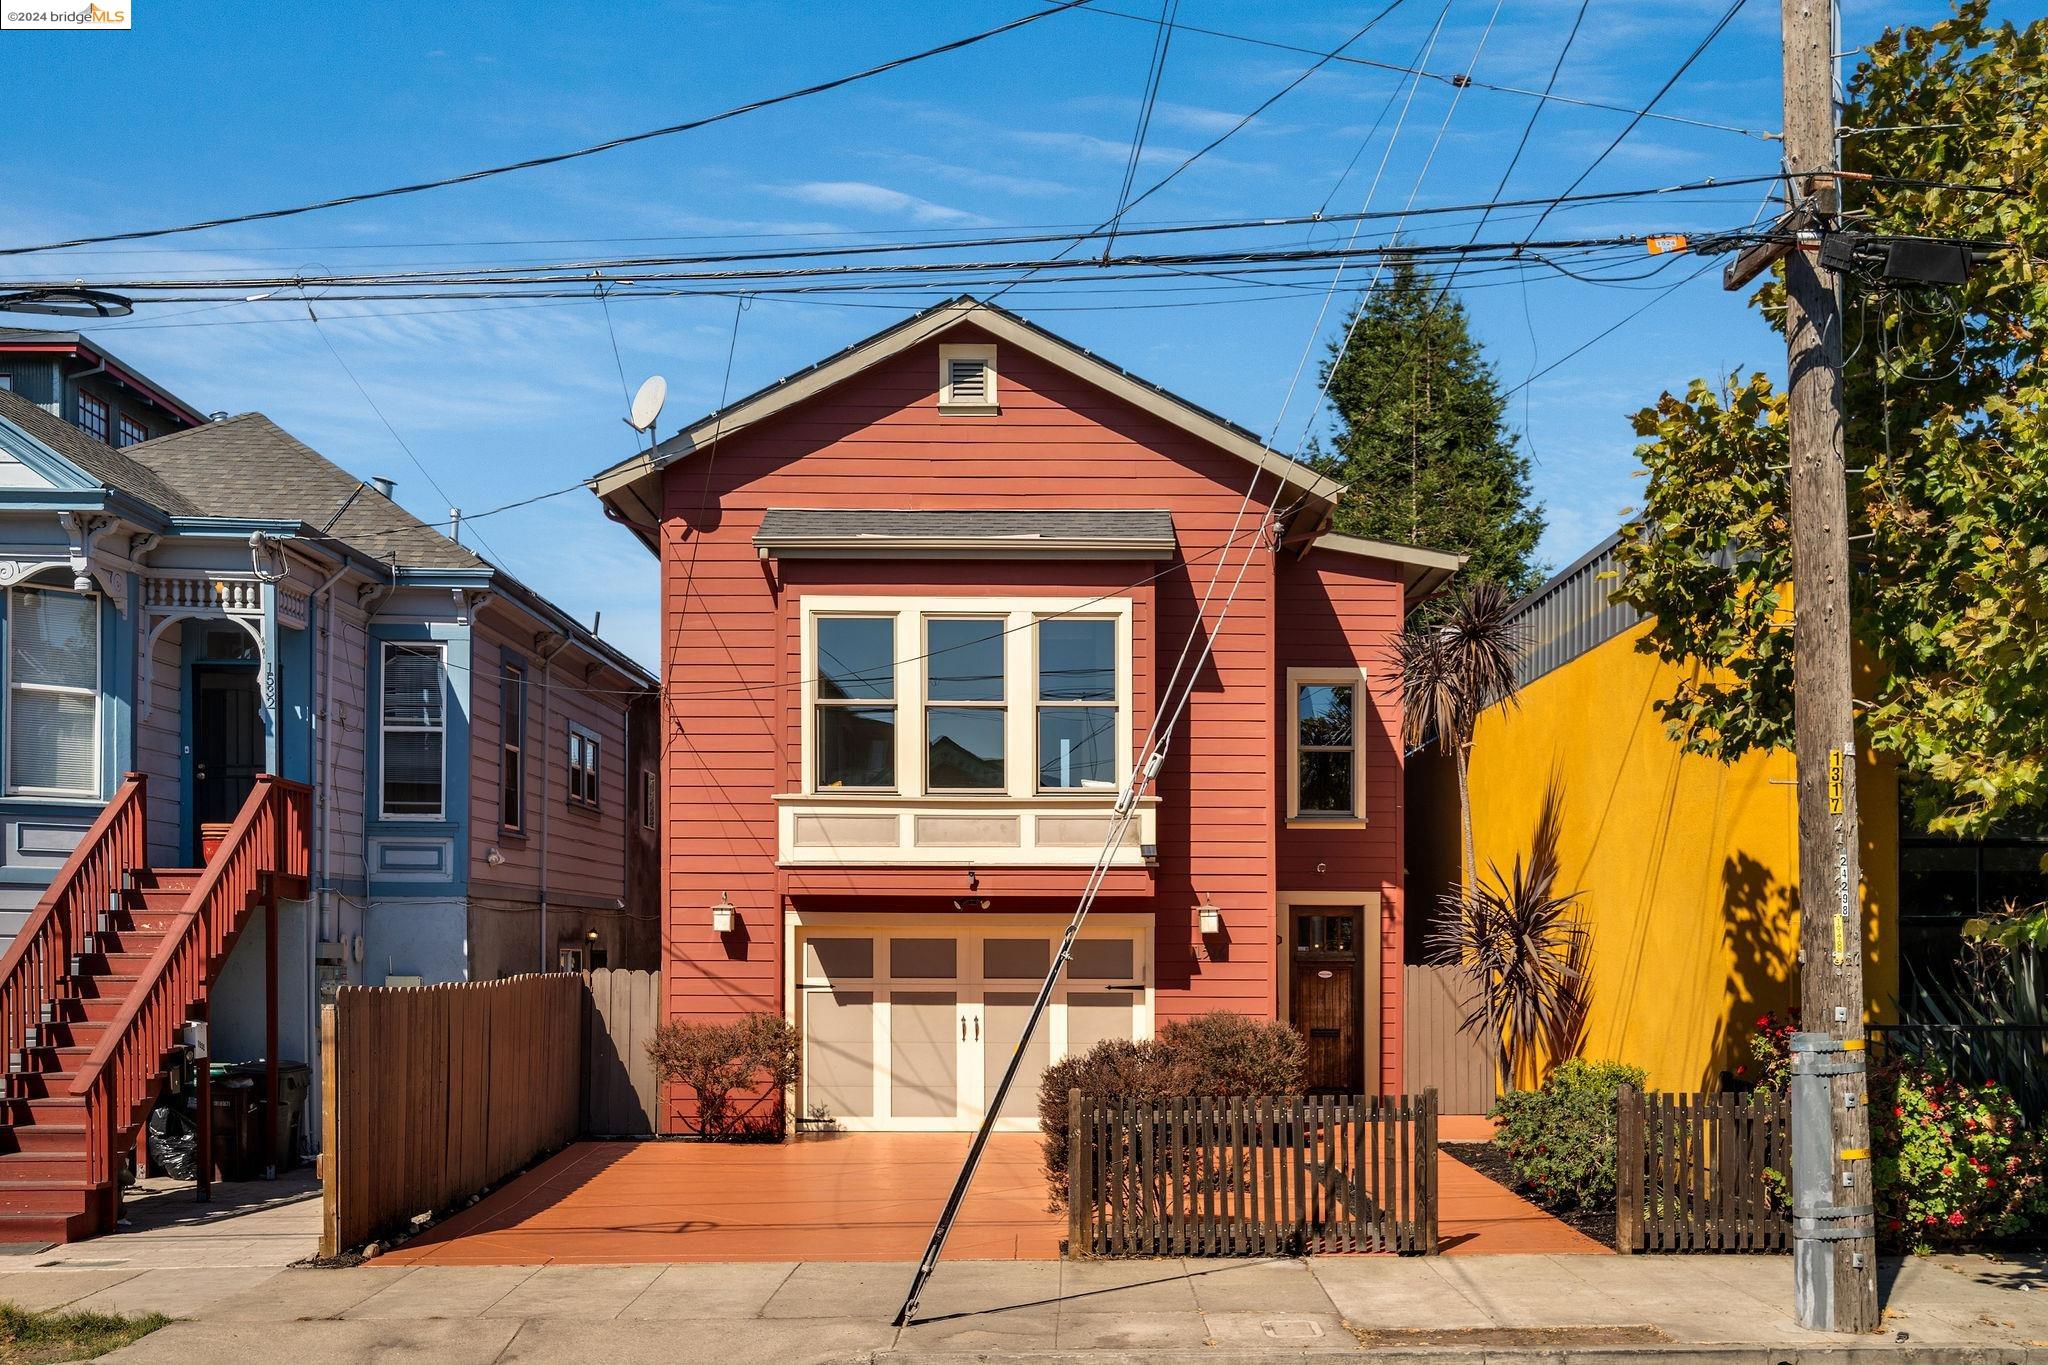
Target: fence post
point(1628, 1171)
point(1426, 1173)
point(330, 1147)
point(1077, 1184)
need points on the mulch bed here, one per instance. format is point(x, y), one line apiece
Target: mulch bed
point(1492, 1163)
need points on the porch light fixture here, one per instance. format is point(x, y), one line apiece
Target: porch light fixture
point(1149, 853)
point(722, 915)
point(1211, 919)
point(590, 937)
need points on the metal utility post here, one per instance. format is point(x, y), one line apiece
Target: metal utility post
point(1835, 1249)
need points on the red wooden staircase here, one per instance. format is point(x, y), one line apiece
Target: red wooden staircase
point(116, 957)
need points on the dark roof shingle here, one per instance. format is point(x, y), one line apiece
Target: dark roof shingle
point(114, 469)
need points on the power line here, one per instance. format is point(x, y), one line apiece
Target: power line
point(556, 158)
point(1162, 41)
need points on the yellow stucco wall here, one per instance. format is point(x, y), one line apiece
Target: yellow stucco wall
point(1686, 866)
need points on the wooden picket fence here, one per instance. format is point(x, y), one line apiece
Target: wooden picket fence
point(1252, 1177)
point(1702, 1172)
point(432, 1093)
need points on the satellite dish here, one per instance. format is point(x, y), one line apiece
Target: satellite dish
point(647, 403)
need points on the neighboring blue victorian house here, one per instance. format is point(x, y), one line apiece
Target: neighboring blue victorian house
point(213, 601)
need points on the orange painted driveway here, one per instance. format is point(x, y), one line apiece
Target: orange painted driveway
point(851, 1197)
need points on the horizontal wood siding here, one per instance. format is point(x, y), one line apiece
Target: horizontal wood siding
point(1344, 611)
point(879, 441)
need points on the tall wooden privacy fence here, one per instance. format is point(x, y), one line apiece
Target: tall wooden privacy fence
point(1252, 1177)
point(621, 1096)
point(1702, 1172)
point(432, 1093)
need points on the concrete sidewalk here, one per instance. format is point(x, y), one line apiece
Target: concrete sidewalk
point(1491, 1309)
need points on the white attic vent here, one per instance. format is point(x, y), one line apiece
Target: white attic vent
point(967, 379)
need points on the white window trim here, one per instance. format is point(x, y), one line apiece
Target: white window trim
point(983, 351)
point(384, 727)
point(1000, 705)
point(1354, 678)
point(1020, 662)
point(8, 686)
point(593, 749)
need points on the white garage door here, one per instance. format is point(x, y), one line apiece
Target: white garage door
point(909, 1026)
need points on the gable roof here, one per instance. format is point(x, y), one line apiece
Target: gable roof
point(249, 466)
point(115, 470)
point(1422, 571)
point(38, 341)
point(631, 488)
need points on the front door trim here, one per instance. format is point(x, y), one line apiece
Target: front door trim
point(1372, 1027)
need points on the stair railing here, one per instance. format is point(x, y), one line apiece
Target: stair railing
point(269, 839)
point(35, 971)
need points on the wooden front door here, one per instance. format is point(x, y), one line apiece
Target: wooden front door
point(1328, 995)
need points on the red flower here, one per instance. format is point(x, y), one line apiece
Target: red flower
point(1955, 1220)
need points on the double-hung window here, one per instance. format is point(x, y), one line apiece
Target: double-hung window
point(512, 742)
point(414, 725)
point(855, 719)
point(1077, 703)
point(1326, 780)
point(53, 695)
point(964, 711)
point(585, 767)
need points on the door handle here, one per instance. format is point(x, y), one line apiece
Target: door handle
point(977, 1028)
point(963, 1028)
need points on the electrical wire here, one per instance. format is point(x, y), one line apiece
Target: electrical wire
point(1162, 41)
point(556, 158)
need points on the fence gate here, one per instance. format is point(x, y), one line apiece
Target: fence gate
point(620, 1096)
point(1702, 1172)
point(1252, 1177)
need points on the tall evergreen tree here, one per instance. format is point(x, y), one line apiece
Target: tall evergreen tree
point(1420, 439)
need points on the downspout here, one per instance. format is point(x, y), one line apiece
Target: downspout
point(547, 766)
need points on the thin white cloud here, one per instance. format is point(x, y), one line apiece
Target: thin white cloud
point(863, 197)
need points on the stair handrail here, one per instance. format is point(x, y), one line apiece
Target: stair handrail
point(112, 846)
point(270, 837)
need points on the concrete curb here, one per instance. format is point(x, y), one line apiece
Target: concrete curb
point(1676, 1353)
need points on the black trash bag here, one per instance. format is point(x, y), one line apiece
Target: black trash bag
point(174, 1141)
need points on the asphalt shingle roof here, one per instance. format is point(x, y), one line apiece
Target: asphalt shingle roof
point(783, 525)
point(248, 466)
point(114, 469)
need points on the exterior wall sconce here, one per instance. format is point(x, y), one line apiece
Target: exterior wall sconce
point(1149, 853)
point(1211, 919)
point(590, 937)
point(722, 915)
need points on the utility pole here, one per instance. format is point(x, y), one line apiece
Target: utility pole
point(1834, 1224)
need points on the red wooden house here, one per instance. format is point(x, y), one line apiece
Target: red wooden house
point(921, 601)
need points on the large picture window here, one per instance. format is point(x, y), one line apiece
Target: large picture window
point(1325, 774)
point(53, 695)
point(964, 711)
point(414, 730)
point(1077, 703)
point(856, 703)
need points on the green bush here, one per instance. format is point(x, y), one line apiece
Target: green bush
point(1211, 1054)
point(1561, 1138)
point(1953, 1164)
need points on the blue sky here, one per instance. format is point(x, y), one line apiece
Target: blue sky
point(208, 109)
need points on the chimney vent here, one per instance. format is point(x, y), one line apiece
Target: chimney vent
point(382, 484)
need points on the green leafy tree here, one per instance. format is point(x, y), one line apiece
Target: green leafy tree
point(1946, 433)
point(1420, 439)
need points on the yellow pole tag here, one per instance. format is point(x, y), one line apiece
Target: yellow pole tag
point(1835, 784)
point(1855, 1154)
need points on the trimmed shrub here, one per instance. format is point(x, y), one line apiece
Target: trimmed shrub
point(753, 1052)
point(1561, 1138)
point(1211, 1054)
point(1953, 1165)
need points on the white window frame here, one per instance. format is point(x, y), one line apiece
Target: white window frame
point(592, 767)
point(990, 403)
point(384, 728)
point(1122, 703)
point(1001, 704)
point(1361, 700)
point(99, 645)
point(1020, 662)
point(894, 701)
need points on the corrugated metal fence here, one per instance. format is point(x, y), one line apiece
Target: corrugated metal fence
point(432, 1093)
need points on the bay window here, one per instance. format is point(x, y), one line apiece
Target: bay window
point(964, 715)
point(413, 728)
point(1077, 704)
point(856, 702)
point(53, 695)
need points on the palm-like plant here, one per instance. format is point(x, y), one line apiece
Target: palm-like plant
point(1452, 669)
point(1523, 949)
